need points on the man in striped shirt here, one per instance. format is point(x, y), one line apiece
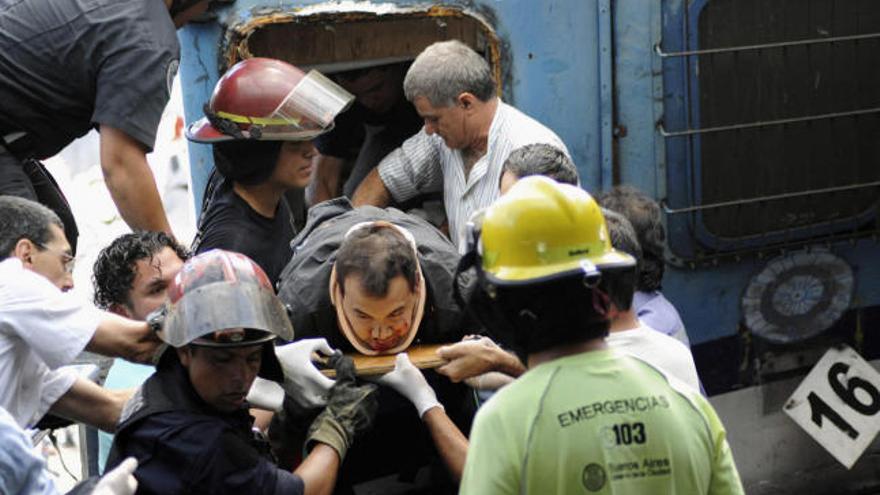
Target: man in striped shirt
point(468, 134)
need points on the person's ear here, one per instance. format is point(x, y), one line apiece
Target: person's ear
point(24, 250)
point(184, 354)
point(613, 311)
point(466, 100)
point(121, 310)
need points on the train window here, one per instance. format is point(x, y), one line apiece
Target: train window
point(337, 41)
point(784, 108)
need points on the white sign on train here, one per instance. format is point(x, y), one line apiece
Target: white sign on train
point(837, 404)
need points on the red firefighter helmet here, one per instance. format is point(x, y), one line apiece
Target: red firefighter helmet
point(269, 100)
point(224, 299)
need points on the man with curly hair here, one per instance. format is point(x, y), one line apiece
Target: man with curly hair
point(130, 278)
point(131, 274)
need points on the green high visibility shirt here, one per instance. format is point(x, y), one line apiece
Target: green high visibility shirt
point(598, 422)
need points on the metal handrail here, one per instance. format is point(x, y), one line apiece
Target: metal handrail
point(762, 199)
point(780, 44)
point(763, 123)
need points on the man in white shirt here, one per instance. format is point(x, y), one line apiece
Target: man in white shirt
point(468, 134)
point(627, 333)
point(42, 328)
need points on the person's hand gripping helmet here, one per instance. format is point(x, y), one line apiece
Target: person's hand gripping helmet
point(224, 299)
point(270, 100)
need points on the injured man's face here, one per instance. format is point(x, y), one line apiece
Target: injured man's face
point(379, 324)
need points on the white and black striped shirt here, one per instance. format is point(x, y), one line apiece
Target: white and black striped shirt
point(425, 164)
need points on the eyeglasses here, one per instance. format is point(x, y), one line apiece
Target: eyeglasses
point(67, 259)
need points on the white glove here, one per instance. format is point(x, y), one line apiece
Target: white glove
point(266, 394)
point(302, 380)
point(119, 481)
point(409, 382)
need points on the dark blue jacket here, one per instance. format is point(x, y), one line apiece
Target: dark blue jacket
point(184, 446)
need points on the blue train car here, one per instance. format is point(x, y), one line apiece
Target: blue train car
point(755, 123)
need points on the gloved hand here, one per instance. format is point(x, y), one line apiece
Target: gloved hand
point(409, 382)
point(266, 394)
point(350, 409)
point(302, 380)
point(119, 481)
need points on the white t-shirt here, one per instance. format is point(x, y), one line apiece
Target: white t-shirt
point(41, 329)
point(659, 350)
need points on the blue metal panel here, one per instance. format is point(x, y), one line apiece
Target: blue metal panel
point(863, 257)
point(198, 74)
point(639, 88)
point(554, 54)
point(675, 115)
point(709, 298)
point(606, 100)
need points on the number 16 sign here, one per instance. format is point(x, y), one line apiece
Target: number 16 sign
point(837, 404)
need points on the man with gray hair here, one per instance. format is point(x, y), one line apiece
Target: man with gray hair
point(468, 134)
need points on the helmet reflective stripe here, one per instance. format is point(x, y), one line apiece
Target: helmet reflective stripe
point(241, 119)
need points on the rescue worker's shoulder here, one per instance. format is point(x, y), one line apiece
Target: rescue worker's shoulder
point(196, 436)
point(515, 401)
point(192, 432)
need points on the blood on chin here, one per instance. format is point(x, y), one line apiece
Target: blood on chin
point(382, 346)
point(400, 332)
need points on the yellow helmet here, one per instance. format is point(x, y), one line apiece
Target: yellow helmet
point(542, 230)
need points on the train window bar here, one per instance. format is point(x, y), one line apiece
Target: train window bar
point(780, 44)
point(762, 199)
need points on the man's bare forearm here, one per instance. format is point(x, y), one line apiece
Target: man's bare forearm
point(472, 357)
point(131, 182)
point(509, 364)
point(372, 191)
point(450, 442)
point(88, 403)
point(318, 470)
point(117, 336)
